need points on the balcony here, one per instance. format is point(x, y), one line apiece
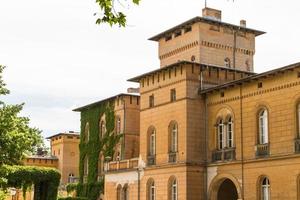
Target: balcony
point(227, 154)
point(122, 165)
point(172, 157)
point(297, 145)
point(151, 160)
point(262, 150)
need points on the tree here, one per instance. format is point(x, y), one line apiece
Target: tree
point(110, 15)
point(16, 137)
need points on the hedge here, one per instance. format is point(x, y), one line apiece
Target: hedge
point(45, 180)
point(73, 198)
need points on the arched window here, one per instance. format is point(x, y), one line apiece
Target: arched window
point(86, 132)
point(119, 192)
point(265, 189)
point(173, 137)
point(227, 62)
point(229, 133)
point(151, 192)
point(118, 125)
point(102, 129)
point(220, 127)
point(152, 142)
point(173, 189)
point(125, 193)
point(263, 127)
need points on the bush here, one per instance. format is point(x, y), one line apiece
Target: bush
point(73, 198)
point(45, 180)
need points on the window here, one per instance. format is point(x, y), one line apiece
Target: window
point(220, 127)
point(263, 127)
point(125, 193)
point(178, 33)
point(169, 37)
point(188, 29)
point(85, 166)
point(152, 143)
point(174, 190)
point(230, 133)
point(119, 190)
point(118, 125)
point(151, 101)
point(227, 62)
point(102, 129)
point(174, 137)
point(71, 178)
point(86, 132)
point(151, 190)
point(173, 95)
point(265, 189)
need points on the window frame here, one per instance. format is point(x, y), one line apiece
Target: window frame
point(263, 128)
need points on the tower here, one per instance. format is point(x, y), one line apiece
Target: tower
point(208, 40)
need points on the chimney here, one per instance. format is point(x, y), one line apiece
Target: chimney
point(243, 23)
point(211, 13)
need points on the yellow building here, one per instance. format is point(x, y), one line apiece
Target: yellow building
point(209, 127)
point(64, 156)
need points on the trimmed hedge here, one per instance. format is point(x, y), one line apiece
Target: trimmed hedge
point(45, 180)
point(73, 198)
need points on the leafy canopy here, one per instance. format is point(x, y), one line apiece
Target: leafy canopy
point(16, 137)
point(110, 15)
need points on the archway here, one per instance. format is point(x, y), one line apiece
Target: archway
point(224, 187)
point(227, 191)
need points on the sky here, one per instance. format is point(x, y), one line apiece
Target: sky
point(58, 59)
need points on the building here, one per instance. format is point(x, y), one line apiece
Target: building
point(209, 127)
point(64, 156)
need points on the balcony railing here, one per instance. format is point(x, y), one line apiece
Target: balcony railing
point(297, 145)
point(262, 150)
point(122, 165)
point(227, 154)
point(151, 160)
point(172, 157)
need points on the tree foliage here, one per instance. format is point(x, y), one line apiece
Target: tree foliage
point(110, 15)
point(16, 136)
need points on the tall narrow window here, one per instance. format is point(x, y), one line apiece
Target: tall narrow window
point(151, 101)
point(152, 143)
point(125, 193)
point(86, 166)
point(263, 127)
point(174, 190)
point(230, 133)
point(152, 191)
point(174, 138)
point(118, 123)
point(119, 192)
point(265, 189)
point(173, 95)
point(86, 132)
point(101, 129)
point(220, 134)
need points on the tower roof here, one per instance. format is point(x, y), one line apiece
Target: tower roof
point(205, 20)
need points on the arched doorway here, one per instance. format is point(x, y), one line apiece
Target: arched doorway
point(227, 191)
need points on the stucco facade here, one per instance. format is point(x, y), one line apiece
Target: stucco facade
point(209, 127)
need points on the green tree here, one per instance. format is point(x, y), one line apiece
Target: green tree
point(16, 137)
point(110, 15)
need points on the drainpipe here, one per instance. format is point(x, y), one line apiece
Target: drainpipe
point(139, 183)
point(234, 48)
point(242, 138)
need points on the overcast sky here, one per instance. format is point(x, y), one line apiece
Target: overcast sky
point(58, 59)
